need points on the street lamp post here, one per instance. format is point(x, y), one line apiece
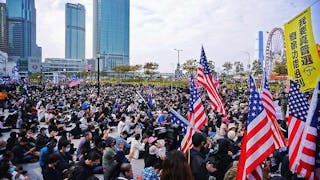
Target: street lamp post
point(178, 50)
point(249, 66)
point(178, 72)
point(98, 57)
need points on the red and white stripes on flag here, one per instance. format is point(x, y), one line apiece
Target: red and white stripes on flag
point(196, 115)
point(259, 139)
point(256, 173)
point(298, 110)
point(204, 77)
point(267, 100)
point(308, 150)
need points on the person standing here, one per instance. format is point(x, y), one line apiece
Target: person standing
point(199, 168)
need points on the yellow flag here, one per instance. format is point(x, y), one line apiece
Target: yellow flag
point(302, 55)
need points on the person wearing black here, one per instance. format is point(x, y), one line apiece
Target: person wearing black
point(199, 168)
point(65, 157)
point(42, 139)
point(85, 167)
point(22, 153)
point(50, 171)
point(12, 141)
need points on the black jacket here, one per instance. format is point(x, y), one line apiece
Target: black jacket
point(198, 165)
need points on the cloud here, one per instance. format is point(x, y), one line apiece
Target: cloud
point(225, 28)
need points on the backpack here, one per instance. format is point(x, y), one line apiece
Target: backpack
point(72, 172)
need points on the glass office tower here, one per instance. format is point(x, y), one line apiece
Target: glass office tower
point(75, 31)
point(111, 32)
point(22, 28)
point(3, 28)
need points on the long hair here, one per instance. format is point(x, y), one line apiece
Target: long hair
point(176, 167)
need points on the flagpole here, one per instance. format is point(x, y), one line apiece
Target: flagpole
point(143, 99)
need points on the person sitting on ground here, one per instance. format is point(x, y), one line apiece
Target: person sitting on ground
point(50, 171)
point(65, 157)
point(24, 153)
point(84, 145)
point(46, 151)
point(12, 141)
point(122, 138)
point(85, 168)
point(42, 139)
point(126, 172)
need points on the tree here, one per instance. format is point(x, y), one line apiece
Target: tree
point(280, 68)
point(227, 66)
point(257, 67)
point(238, 67)
point(122, 69)
point(190, 66)
point(150, 68)
point(136, 67)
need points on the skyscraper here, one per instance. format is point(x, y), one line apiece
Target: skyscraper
point(111, 32)
point(75, 31)
point(22, 28)
point(3, 28)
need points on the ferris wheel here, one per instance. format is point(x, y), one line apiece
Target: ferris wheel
point(275, 49)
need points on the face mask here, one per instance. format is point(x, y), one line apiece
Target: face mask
point(67, 149)
point(55, 149)
point(47, 132)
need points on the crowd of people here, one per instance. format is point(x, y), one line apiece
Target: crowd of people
point(118, 127)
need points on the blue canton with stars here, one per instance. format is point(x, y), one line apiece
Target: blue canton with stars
point(265, 83)
point(204, 62)
point(180, 121)
point(194, 95)
point(255, 107)
point(298, 103)
point(316, 119)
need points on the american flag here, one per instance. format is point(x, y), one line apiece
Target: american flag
point(74, 81)
point(298, 110)
point(309, 150)
point(268, 104)
point(149, 97)
point(205, 79)
point(259, 139)
point(196, 115)
point(176, 118)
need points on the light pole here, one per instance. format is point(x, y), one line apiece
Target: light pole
point(178, 72)
point(98, 57)
point(178, 50)
point(249, 66)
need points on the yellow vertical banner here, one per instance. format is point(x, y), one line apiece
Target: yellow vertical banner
point(303, 61)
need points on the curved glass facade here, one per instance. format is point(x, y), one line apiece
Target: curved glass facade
point(75, 31)
point(111, 32)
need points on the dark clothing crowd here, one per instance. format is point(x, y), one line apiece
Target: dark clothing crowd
point(119, 126)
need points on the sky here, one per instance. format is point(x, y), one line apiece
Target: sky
point(227, 29)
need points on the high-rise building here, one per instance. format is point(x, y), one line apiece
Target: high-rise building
point(22, 28)
point(75, 31)
point(111, 32)
point(3, 28)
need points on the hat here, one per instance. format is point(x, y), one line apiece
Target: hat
point(231, 125)
point(153, 150)
point(85, 106)
point(110, 140)
point(151, 139)
point(149, 174)
point(231, 135)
